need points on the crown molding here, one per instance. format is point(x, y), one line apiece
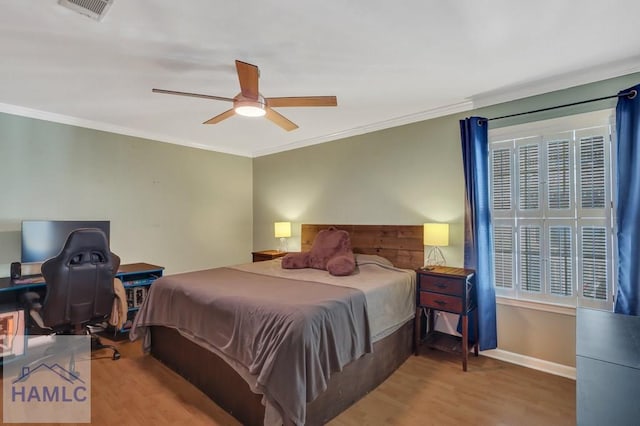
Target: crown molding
point(557, 82)
point(106, 127)
point(368, 128)
point(95, 125)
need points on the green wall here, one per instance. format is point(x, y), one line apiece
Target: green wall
point(410, 175)
point(402, 175)
point(170, 205)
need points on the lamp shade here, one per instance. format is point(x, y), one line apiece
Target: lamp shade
point(436, 234)
point(282, 229)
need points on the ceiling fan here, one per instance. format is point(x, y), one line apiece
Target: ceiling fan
point(249, 102)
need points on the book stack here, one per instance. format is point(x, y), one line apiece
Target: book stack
point(136, 296)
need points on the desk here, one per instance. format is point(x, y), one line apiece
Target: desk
point(7, 285)
point(136, 279)
point(607, 368)
point(132, 275)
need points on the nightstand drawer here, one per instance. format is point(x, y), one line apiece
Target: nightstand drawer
point(441, 302)
point(442, 284)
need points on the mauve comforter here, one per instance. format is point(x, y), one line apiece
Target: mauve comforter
point(290, 334)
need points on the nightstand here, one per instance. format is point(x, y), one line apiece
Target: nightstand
point(450, 290)
point(259, 256)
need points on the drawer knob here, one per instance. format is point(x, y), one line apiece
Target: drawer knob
point(441, 285)
point(440, 302)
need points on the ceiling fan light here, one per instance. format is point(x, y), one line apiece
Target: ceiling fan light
point(249, 108)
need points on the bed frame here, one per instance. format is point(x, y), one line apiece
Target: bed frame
point(402, 244)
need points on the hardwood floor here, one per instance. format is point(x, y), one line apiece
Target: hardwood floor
point(429, 389)
point(432, 389)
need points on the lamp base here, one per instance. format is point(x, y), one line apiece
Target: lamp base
point(283, 245)
point(434, 258)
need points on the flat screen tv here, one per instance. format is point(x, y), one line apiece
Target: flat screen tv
point(43, 239)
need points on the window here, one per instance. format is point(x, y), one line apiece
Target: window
point(552, 212)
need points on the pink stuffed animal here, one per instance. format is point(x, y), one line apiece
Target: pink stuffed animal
point(331, 251)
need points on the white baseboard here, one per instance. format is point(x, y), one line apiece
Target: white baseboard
point(530, 362)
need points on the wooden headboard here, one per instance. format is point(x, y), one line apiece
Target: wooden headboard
point(401, 244)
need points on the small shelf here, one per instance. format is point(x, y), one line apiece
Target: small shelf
point(139, 282)
point(13, 334)
point(137, 279)
point(444, 342)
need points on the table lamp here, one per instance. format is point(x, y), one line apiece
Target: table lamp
point(436, 235)
point(282, 230)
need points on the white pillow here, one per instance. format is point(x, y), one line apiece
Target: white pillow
point(362, 259)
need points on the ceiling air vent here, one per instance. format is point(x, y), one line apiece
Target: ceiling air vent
point(95, 9)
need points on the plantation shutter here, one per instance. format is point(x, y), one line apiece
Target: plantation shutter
point(502, 202)
point(530, 258)
point(592, 189)
point(501, 184)
point(593, 263)
point(560, 273)
point(503, 256)
point(559, 178)
point(594, 230)
point(529, 178)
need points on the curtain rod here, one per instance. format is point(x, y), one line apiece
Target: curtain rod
point(631, 94)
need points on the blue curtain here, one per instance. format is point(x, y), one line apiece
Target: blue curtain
point(628, 203)
point(478, 245)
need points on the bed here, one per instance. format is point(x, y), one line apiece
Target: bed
point(289, 346)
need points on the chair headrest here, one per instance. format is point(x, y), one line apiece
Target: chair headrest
point(84, 246)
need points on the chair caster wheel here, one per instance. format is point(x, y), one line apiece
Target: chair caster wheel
point(116, 356)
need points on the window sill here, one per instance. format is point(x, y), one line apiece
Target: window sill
point(538, 306)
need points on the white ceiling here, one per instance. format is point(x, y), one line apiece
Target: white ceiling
point(389, 63)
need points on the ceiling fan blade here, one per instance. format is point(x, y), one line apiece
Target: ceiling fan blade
point(218, 118)
point(248, 76)
point(193, 95)
point(302, 101)
point(280, 120)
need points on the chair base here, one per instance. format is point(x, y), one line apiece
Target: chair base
point(37, 328)
point(96, 344)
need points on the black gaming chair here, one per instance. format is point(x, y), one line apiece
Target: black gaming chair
point(79, 289)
